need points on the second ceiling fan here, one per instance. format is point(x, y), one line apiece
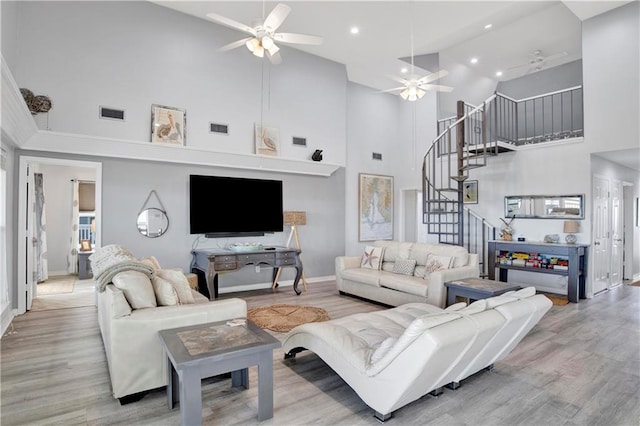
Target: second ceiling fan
point(263, 34)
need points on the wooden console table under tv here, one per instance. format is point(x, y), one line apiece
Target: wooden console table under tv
point(575, 254)
point(208, 262)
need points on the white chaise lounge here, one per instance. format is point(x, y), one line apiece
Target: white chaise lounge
point(393, 357)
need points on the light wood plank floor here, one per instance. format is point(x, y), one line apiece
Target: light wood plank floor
point(579, 366)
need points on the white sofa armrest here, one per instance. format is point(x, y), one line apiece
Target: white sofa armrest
point(437, 293)
point(136, 356)
point(347, 262)
point(342, 263)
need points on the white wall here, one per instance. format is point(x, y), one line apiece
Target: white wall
point(131, 55)
point(9, 33)
point(384, 123)
point(611, 61)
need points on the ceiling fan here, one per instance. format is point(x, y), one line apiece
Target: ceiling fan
point(537, 61)
point(263, 34)
point(415, 87)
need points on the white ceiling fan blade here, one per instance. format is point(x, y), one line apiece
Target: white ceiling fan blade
point(433, 77)
point(276, 17)
point(436, 87)
point(399, 79)
point(298, 38)
point(235, 44)
point(274, 58)
point(223, 20)
point(393, 90)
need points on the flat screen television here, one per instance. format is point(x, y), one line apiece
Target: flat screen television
point(232, 207)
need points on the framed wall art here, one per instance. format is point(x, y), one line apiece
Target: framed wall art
point(470, 191)
point(168, 125)
point(267, 140)
point(375, 207)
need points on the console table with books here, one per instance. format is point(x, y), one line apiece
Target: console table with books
point(560, 259)
point(208, 263)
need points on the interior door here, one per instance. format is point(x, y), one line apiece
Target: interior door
point(617, 231)
point(600, 234)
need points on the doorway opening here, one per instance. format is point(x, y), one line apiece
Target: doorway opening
point(52, 229)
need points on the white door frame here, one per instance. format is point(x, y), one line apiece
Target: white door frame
point(25, 161)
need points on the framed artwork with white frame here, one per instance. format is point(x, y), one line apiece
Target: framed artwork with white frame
point(168, 125)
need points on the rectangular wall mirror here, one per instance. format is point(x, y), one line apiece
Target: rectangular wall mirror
point(544, 206)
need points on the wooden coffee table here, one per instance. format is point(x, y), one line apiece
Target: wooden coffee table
point(476, 289)
point(206, 350)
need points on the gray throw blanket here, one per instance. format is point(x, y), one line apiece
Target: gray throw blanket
point(109, 260)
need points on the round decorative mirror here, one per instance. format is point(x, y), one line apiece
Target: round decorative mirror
point(152, 222)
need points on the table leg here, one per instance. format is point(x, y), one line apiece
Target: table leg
point(212, 284)
point(172, 385)
point(240, 378)
point(190, 397)
point(265, 385)
point(451, 297)
point(297, 280)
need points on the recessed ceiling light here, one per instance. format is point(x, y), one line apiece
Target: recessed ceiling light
point(354, 30)
point(474, 60)
point(404, 70)
point(499, 74)
point(486, 27)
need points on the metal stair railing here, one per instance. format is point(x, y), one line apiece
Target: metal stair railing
point(446, 166)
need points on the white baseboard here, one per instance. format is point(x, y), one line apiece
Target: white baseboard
point(6, 318)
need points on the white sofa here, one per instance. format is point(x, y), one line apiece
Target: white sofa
point(395, 289)
point(134, 353)
point(393, 357)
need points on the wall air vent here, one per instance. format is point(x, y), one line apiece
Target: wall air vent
point(219, 128)
point(111, 113)
point(299, 141)
point(377, 156)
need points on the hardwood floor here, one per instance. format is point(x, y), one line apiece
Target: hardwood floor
point(580, 365)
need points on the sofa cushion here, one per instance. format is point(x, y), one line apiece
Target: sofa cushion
point(404, 283)
point(460, 254)
point(382, 350)
point(372, 257)
point(165, 293)
point(362, 276)
point(394, 250)
point(180, 284)
point(404, 267)
point(437, 263)
point(137, 289)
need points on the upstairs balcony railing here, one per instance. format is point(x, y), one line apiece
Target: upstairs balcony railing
point(542, 118)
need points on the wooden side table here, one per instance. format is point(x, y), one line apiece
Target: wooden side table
point(476, 289)
point(205, 350)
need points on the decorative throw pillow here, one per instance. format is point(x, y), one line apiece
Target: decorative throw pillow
point(404, 267)
point(372, 257)
point(437, 263)
point(165, 293)
point(180, 284)
point(137, 289)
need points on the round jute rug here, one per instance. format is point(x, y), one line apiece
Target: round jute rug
point(284, 317)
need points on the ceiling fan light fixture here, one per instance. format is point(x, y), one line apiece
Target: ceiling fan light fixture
point(259, 51)
point(267, 42)
point(252, 44)
point(273, 49)
point(412, 93)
